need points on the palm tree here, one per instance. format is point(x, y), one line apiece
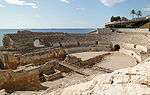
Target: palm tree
point(139, 13)
point(133, 13)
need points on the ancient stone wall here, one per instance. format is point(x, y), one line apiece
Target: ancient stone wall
point(50, 39)
point(132, 29)
point(19, 48)
point(27, 38)
point(106, 47)
point(103, 30)
point(13, 60)
point(17, 81)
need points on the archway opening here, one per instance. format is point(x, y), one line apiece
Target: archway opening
point(2, 66)
point(116, 47)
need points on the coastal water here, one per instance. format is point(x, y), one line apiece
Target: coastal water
point(76, 30)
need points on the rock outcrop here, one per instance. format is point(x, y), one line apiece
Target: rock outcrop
point(20, 80)
point(128, 81)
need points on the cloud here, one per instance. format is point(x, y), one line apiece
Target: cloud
point(33, 5)
point(110, 3)
point(21, 3)
point(2, 6)
point(65, 1)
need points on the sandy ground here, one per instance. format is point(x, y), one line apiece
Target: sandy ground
point(117, 61)
point(88, 55)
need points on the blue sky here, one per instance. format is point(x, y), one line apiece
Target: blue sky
point(65, 13)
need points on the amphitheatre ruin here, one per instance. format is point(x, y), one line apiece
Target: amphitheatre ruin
point(95, 63)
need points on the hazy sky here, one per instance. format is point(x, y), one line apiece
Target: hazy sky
point(65, 13)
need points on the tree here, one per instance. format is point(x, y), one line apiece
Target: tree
point(112, 19)
point(139, 13)
point(117, 18)
point(124, 19)
point(133, 13)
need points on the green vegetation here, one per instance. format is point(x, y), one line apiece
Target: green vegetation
point(133, 13)
point(118, 18)
point(138, 13)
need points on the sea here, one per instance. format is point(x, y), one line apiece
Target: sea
point(65, 30)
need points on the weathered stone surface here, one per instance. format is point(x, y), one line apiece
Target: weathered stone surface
point(20, 80)
point(50, 39)
point(13, 60)
point(54, 76)
point(128, 81)
point(72, 60)
point(3, 92)
point(93, 61)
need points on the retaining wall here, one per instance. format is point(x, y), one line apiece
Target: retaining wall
point(26, 40)
point(20, 81)
point(132, 29)
point(12, 60)
point(86, 49)
point(103, 30)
